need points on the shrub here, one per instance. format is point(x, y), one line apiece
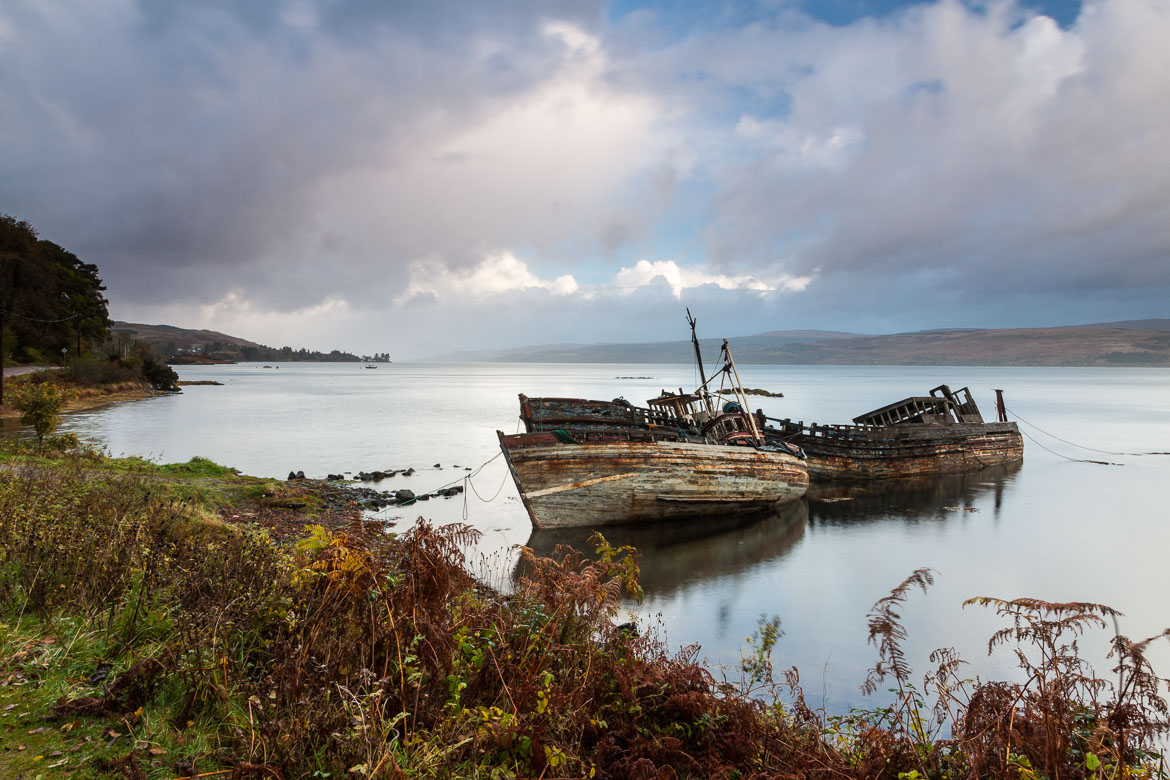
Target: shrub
point(143, 365)
point(39, 404)
point(91, 370)
point(159, 374)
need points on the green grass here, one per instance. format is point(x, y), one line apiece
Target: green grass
point(46, 661)
point(200, 481)
point(199, 467)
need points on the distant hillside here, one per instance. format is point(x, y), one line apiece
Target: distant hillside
point(1160, 325)
point(1133, 343)
point(651, 352)
point(184, 345)
point(1073, 346)
point(161, 336)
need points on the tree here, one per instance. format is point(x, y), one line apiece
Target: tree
point(40, 405)
point(17, 243)
point(49, 299)
point(80, 293)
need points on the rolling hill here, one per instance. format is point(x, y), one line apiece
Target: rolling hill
point(1131, 343)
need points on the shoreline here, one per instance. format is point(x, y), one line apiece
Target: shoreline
point(91, 397)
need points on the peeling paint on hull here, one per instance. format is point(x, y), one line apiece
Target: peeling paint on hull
point(608, 482)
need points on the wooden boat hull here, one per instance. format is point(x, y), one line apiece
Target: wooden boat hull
point(856, 454)
point(596, 483)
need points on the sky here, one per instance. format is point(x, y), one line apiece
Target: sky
point(417, 177)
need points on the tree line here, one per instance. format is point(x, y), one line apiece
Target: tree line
point(53, 310)
point(218, 350)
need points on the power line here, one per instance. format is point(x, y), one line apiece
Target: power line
point(34, 319)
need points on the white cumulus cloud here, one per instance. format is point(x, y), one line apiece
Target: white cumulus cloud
point(681, 278)
point(497, 273)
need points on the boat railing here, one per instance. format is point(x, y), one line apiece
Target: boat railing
point(542, 415)
point(817, 429)
point(635, 434)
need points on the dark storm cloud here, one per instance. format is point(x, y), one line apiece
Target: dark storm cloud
point(181, 142)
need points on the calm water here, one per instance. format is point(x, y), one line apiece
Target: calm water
point(1051, 528)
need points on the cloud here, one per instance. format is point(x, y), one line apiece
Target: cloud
point(995, 145)
point(679, 279)
point(300, 168)
point(272, 146)
point(497, 273)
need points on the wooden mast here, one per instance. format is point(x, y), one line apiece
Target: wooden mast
point(699, 359)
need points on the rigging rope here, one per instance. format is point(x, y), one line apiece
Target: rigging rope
point(1079, 446)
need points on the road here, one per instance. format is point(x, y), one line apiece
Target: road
point(18, 370)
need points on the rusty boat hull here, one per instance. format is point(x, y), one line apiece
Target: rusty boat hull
point(594, 483)
point(859, 454)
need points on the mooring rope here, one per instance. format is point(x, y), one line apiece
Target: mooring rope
point(1066, 457)
point(1079, 446)
point(466, 479)
point(469, 484)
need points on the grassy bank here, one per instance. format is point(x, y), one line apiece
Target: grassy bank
point(92, 381)
point(181, 621)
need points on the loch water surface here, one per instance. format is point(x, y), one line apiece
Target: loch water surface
point(1055, 527)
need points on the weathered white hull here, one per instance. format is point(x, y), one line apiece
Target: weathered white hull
point(606, 482)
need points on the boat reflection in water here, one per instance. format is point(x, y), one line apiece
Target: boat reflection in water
point(678, 553)
point(703, 553)
point(909, 498)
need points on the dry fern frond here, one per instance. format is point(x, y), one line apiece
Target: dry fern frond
point(887, 632)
